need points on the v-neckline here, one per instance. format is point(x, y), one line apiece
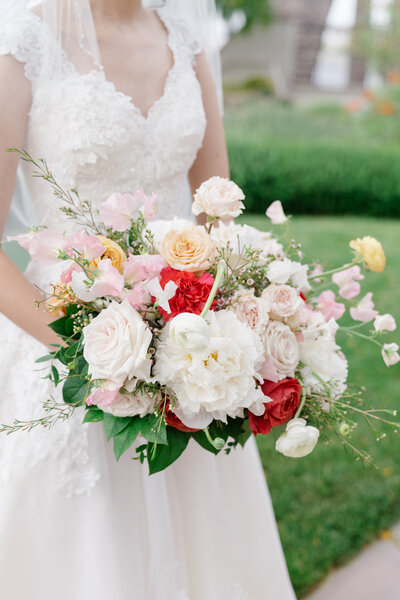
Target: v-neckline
point(171, 47)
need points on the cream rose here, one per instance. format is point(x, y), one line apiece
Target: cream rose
point(299, 439)
point(190, 249)
point(251, 310)
point(281, 349)
point(282, 299)
point(116, 344)
point(218, 197)
point(131, 405)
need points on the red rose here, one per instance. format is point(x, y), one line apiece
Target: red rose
point(192, 292)
point(286, 395)
point(173, 421)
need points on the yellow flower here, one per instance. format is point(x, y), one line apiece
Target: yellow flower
point(61, 297)
point(371, 251)
point(113, 251)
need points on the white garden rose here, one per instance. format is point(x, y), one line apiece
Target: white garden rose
point(116, 344)
point(281, 349)
point(131, 405)
point(251, 310)
point(218, 197)
point(283, 300)
point(218, 381)
point(190, 331)
point(299, 439)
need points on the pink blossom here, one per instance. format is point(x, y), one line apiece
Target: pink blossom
point(137, 297)
point(276, 214)
point(46, 246)
point(108, 282)
point(390, 354)
point(143, 266)
point(364, 311)
point(23, 240)
point(148, 204)
point(385, 323)
point(269, 371)
point(105, 395)
point(328, 306)
point(347, 282)
point(87, 245)
point(66, 276)
point(118, 211)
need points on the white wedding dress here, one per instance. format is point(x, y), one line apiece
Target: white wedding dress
point(74, 524)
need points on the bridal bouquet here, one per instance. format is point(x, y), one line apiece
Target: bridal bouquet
point(172, 330)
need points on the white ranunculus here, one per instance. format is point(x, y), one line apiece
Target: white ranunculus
point(282, 299)
point(116, 344)
point(384, 323)
point(299, 439)
point(131, 405)
point(322, 358)
point(190, 331)
point(218, 381)
point(159, 228)
point(251, 310)
point(218, 197)
point(281, 349)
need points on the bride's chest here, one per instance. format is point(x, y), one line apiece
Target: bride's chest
point(83, 125)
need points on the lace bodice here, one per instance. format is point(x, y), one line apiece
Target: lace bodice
point(94, 137)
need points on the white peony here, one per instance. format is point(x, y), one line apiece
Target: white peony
point(322, 358)
point(218, 197)
point(131, 405)
point(190, 332)
point(299, 439)
point(251, 310)
point(283, 300)
point(281, 351)
point(218, 381)
point(116, 344)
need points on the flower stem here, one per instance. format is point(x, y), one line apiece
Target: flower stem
point(302, 403)
point(365, 337)
point(333, 271)
point(214, 289)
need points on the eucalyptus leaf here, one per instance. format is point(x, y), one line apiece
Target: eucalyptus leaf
point(44, 358)
point(124, 440)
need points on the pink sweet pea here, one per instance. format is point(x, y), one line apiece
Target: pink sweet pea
point(87, 245)
point(46, 246)
point(143, 266)
point(23, 240)
point(328, 306)
point(66, 276)
point(364, 311)
point(148, 204)
point(384, 323)
point(390, 354)
point(347, 281)
point(105, 395)
point(118, 211)
point(108, 282)
point(276, 214)
point(137, 297)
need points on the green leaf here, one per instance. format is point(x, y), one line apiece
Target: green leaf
point(56, 376)
point(201, 439)
point(75, 389)
point(114, 425)
point(64, 326)
point(93, 416)
point(124, 440)
point(244, 434)
point(72, 351)
point(154, 429)
point(160, 457)
point(44, 358)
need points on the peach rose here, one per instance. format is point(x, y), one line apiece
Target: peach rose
point(251, 310)
point(218, 197)
point(282, 299)
point(371, 251)
point(113, 251)
point(190, 249)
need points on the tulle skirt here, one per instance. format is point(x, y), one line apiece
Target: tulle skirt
point(75, 524)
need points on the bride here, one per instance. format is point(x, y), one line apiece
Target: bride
point(115, 96)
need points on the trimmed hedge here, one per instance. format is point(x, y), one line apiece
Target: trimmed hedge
point(317, 177)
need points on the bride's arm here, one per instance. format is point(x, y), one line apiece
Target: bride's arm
point(17, 295)
point(212, 158)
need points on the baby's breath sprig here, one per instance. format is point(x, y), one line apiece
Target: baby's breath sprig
point(55, 412)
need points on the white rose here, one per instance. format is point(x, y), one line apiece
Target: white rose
point(281, 271)
point(251, 310)
point(384, 323)
point(281, 348)
point(116, 344)
point(390, 354)
point(218, 381)
point(299, 440)
point(282, 299)
point(189, 331)
point(131, 405)
point(218, 197)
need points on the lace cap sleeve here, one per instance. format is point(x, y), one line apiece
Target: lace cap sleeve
point(188, 39)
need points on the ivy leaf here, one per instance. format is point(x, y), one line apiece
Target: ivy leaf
point(93, 415)
point(154, 429)
point(124, 440)
point(114, 425)
point(75, 389)
point(160, 457)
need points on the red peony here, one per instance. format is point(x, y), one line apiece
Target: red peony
point(192, 292)
point(173, 421)
point(286, 395)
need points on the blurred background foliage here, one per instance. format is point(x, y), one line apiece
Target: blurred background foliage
point(254, 10)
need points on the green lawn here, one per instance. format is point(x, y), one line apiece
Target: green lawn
point(328, 505)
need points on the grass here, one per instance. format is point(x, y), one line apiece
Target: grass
point(328, 506)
